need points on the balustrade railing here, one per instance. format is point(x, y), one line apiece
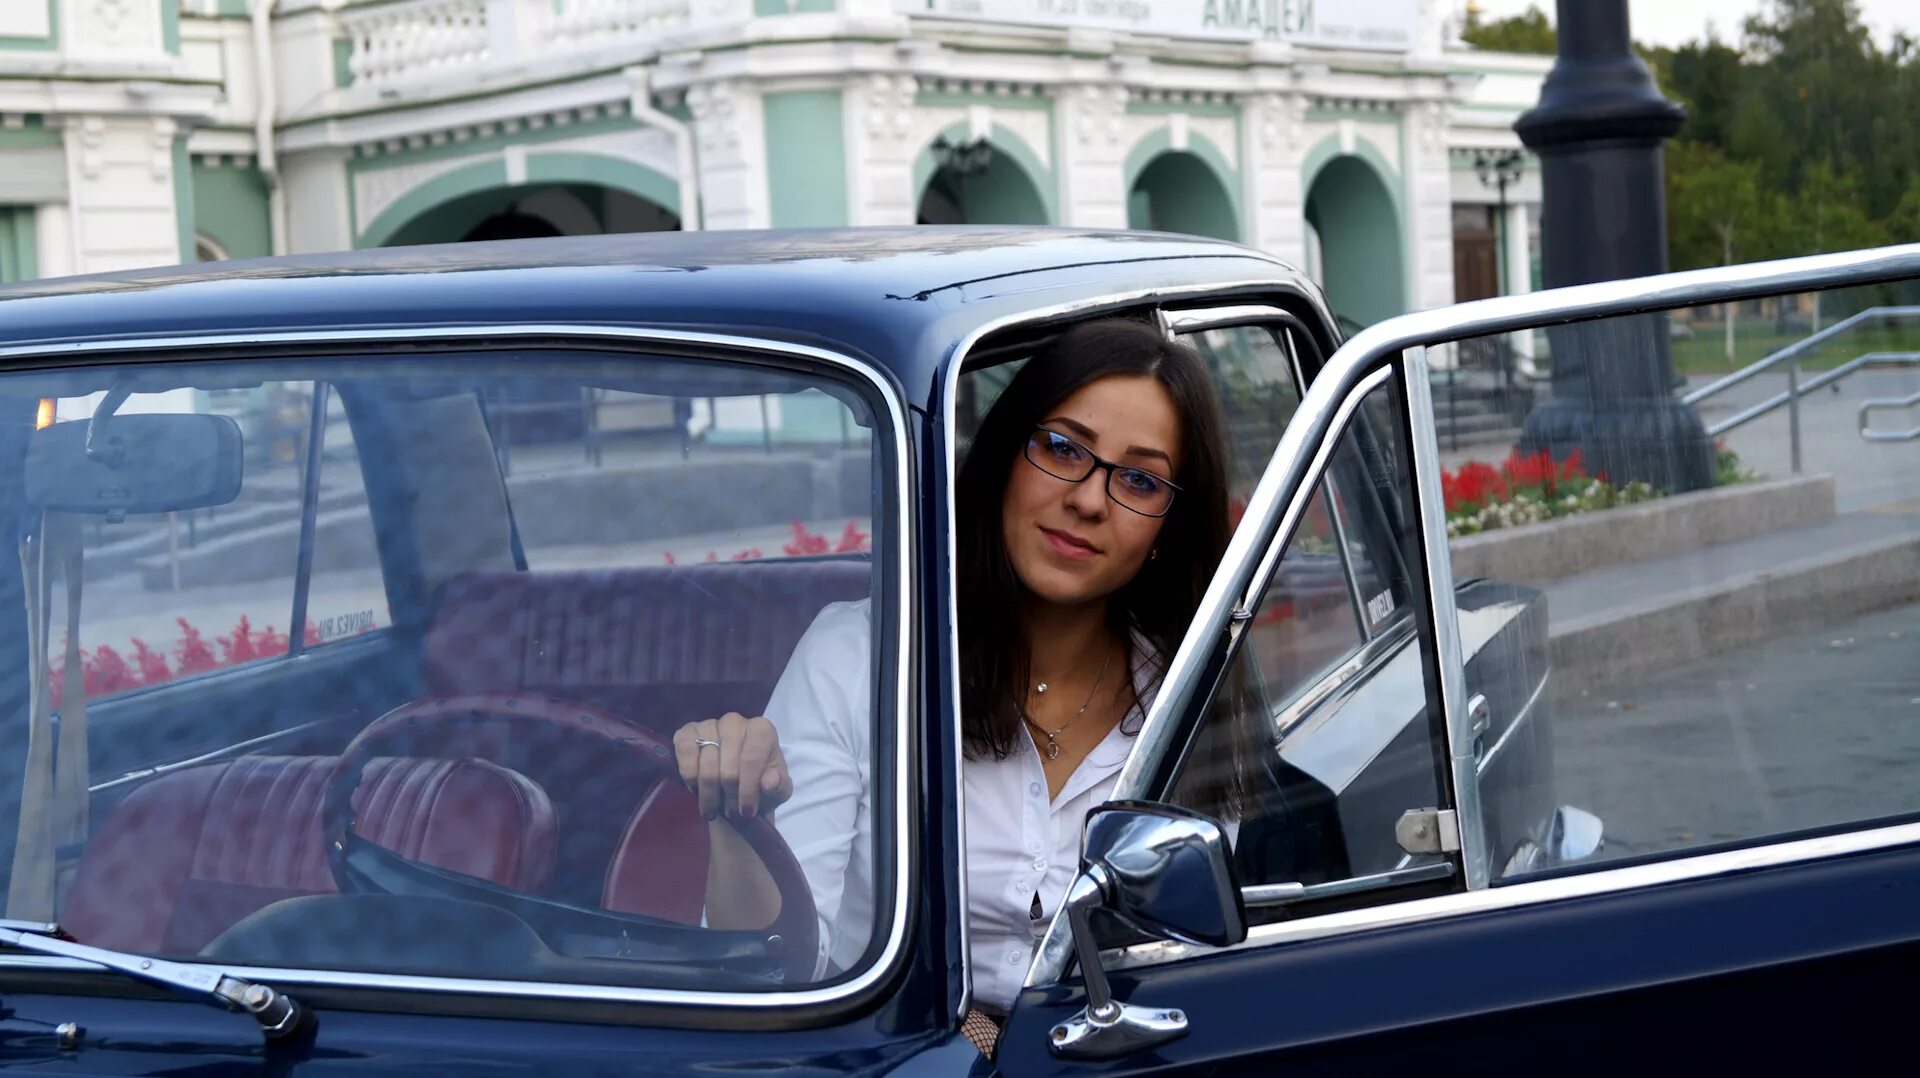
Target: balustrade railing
point(405, 41)
point(588, 22)
point(409, 40)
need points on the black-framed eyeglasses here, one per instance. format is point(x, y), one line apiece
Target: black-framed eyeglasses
point(1133, 489)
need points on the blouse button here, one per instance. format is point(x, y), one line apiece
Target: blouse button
point(1013, 958)
point(1039, 864)
point(1033, 788)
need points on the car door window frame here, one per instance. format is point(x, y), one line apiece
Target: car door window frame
point(1259, 292)
point(1361, 364)
point(894, 794)
point(1290, 332)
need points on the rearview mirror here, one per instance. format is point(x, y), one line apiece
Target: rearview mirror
point(1167, 871)
point(160, 463)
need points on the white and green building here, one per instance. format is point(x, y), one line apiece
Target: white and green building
point(1338, 133)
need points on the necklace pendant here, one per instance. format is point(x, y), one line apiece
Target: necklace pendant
point(1053, 748)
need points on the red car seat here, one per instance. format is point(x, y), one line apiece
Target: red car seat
point(192, 852)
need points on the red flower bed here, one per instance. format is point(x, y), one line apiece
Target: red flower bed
point(1477, 484)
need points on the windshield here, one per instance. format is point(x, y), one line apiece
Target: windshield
point(377, 663)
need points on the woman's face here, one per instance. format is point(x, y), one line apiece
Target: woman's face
point(1069, 543)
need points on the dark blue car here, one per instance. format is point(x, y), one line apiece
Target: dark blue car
point(359, 596)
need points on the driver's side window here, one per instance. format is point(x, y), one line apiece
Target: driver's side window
point(1324, 711)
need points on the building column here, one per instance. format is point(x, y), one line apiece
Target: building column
point(122, 192)
point(1092, 160)
point(727, 122)
point(1516, 257)
point(55, 243)
point(1273, 155)
point(318, 193)
point(881, 149)
point(1428, 186)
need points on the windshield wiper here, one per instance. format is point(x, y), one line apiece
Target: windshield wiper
point(279, 1016)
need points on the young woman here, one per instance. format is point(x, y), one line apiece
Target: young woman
point(1092, 510)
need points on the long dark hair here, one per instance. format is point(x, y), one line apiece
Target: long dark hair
point(1160, 600)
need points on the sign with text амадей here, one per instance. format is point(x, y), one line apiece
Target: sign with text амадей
point(1375, 25)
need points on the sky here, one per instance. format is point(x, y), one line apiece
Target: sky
point(1674, 22)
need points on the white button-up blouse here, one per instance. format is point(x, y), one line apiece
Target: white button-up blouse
point(1020, 842)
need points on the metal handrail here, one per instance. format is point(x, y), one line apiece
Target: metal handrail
point(1907, 435)
point(1820, 381)
point(1790, 355)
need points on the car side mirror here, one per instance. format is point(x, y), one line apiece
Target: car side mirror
point(1166, 871)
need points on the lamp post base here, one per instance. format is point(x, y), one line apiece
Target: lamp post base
point(1657, 440)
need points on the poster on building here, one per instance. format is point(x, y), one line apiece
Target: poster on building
point(1374, 25)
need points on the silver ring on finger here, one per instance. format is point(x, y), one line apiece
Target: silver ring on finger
point(705, 743)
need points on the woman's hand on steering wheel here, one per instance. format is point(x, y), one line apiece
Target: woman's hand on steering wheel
point(734, 765)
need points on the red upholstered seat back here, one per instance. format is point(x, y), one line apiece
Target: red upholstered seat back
point(192, 852)
point(660, 646)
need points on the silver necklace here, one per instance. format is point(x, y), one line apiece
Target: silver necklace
point(1052, 747)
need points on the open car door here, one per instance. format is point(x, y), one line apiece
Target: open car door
point(1399, 891)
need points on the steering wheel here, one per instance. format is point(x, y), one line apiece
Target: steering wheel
point(361, 866)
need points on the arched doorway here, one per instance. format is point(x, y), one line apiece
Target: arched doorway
point(1179, 192)
point(533, 210)
point(1356, 225)
point(977, 182)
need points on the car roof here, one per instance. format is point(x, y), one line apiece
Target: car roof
point(901, 296)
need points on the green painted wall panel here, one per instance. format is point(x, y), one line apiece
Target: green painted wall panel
point(1195, 191)
point(796, 7)
point(230, 208)
point(342, 62)
point(19, 244)
point(806, 159)
point(36, 44)
point(33, 136)
point(1363, 257)
point(1178, 192)
point(170, 26)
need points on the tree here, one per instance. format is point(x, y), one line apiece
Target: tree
point(1718, 213)
point(1904, 225)
point(1529, 31)
point(1706, 77)
point(1819, 93)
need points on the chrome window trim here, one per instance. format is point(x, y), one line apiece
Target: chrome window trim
point(1336, 684)
point(1338, 518)
point(1372, 349)
point(894, 949)
point(1430, 509)
point(949, 382)
point(1322, 459)
point(1200, 319)
point(1528, 893)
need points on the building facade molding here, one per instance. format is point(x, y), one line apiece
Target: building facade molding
point(739, 107)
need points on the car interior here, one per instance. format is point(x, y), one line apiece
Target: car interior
point(479, 783)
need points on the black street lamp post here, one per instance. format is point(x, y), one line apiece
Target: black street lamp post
point(1598, 131)
point(1499, 171)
